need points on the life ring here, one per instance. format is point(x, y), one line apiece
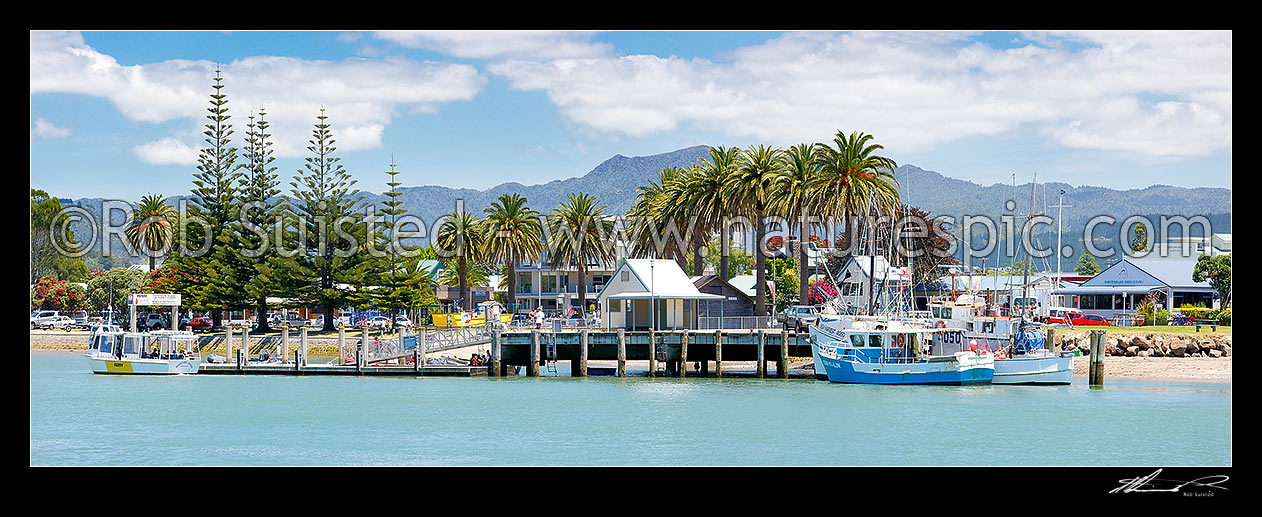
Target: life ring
point(939, 324)
point(900, 340)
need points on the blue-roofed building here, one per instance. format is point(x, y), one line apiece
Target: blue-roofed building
point(1125, 284)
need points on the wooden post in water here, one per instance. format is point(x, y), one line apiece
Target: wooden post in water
point(341, 346)
point(782, 366)
point(245, 343)
point(762, 358)
point(652, 352)
point(302, 345)
point(532, 369)
point(1095, 375)
point(582, 353)
point(1051, 344)
point(496, 355)
point(622, 353)
point(683, 354)
point(718, 354)
point(361, 353)
point(227, 343)
point(297, 362)
point(422, 338)
point(284, 344)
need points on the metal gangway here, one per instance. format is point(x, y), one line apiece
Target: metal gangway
point(433, 339)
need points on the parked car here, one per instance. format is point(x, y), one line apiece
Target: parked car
point(58, 322)
point(201, 323)
point(291, 319)
point(1062, 315)
point(799, 317)
point(38, 318)
point(318, 322)
point(402, 321)
point(153, 321)
point(376, 322)
point(1089, 319)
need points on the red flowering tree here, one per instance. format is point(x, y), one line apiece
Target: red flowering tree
point(51, 294)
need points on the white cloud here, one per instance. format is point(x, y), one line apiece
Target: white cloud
point(501, 44)
point(361, 96)
point(167, 151)
point(46, 129)
point(1149, 93)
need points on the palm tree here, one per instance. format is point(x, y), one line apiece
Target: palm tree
point(461, 235)
point(653, 216)
point(707, 203)
point(792, 196)
point(513, 234)
point(581, 218)
point(152, 226)
point(852, 179)
point(752, 182)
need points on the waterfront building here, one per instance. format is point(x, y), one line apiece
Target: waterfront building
point(1124, 285)
point(651, 293)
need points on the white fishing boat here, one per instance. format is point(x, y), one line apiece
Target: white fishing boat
point(898, 353)
point(164, 352)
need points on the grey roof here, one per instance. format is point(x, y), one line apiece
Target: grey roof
point(1174, 272)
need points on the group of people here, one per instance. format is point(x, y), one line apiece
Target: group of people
point(481, 359)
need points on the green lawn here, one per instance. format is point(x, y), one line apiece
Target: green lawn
point(1162, 329)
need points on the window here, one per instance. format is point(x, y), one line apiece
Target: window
point(856, 340)
point(626, 275)
point(615, 305)
point(874, 340)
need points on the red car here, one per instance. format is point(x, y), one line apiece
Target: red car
point(200, 323)
point(1089, 319)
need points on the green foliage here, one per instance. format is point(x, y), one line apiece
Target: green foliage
point(580, 234)
point(118, 282)
point(46, 228)
point(1217, 270)
point(327, 245)
point(1139, 238)
point(1087, 265)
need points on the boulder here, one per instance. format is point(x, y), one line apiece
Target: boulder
point(1131, 351)
point(1226, 350)
point(1214, 352)
point(1143, 353)
point(1140, 342)
point(1178, 349)
point(1193, 348)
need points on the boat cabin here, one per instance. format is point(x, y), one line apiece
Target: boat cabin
point(164, 345)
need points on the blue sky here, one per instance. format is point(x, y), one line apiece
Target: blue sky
point(119, 114)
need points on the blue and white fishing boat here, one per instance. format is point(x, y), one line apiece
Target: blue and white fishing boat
point(897, 353)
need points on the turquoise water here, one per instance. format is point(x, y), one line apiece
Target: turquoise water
point(78, 418)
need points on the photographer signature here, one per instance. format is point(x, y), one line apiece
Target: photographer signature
point(1151, 483)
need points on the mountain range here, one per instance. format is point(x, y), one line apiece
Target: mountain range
point(615, 182)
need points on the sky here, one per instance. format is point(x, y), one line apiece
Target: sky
point(120, 114)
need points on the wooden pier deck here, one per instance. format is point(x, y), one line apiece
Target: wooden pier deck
point(770, 349)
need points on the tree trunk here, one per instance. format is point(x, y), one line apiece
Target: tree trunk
point(698, 268)
point(760, 264)
point(512, 287)
point(803, 270)
point(261, 308)
point(464, 284)
point(582, 289)
point(723, 249)
point(329, 317)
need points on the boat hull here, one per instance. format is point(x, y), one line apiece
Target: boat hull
point(1046, 369)
point(946, 372)
point(144, 366)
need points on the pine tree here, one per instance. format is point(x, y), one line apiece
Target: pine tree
point(213, 207)
point(397, 288)
point(255, 266)
point(333, 248)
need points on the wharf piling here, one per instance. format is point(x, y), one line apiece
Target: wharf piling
point(1095, 375)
